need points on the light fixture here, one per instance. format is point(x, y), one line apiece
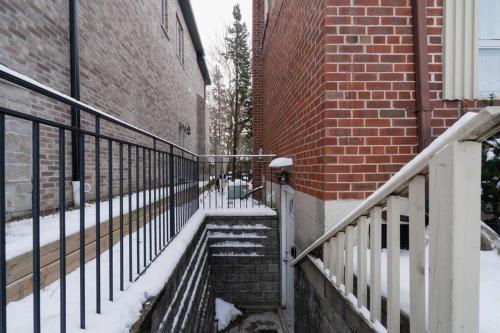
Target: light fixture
point(188, 130)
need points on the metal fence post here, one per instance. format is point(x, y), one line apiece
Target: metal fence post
point(171, 191)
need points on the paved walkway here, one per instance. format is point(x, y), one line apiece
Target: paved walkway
point(267, 322)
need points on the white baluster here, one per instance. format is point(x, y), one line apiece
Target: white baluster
point(362, 264)
point(349, 242)
point(375, 248)
point(393, 251)
point(340, 258)
point(326, 256)
point(455, 212)
point(333, 256)
point(417, 254)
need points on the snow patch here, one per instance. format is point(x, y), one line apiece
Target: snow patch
point(246, 226)
point(281, 162)
point(233, 254)
point(236, 244)
point(225, 313)
point(212, 234)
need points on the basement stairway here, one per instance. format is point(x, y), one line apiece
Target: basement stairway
point(244, 257)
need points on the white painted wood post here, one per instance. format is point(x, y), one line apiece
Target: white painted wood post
point(326, 255)
point(333, 256)
point(375, 248)
point(417, 254)
point(349, 242)
point(455, 212)
point(340, 258)
point(393, 252)
point(362, 264)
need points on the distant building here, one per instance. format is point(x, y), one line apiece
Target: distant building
point(352, 90)
point(141, 61)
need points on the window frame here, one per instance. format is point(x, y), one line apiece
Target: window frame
point(485, 44)
point(179, 40)
point(164, 16)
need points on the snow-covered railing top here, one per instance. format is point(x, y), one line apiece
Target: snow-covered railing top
point(24, 81)
point(451, 166)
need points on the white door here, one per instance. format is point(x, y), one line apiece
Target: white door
point(287, 243)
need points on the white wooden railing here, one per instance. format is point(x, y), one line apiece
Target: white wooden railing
point(452, 167)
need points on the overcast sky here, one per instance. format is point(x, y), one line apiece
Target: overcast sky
point(212, 16)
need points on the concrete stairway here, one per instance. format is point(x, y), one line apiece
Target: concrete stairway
point(244, 255)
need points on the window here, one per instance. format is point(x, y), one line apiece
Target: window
point(179, 41)
point(164, 14)
point(471, 59)
point(181, 135)
point(489, 48)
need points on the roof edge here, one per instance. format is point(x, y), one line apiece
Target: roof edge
point(187, 12)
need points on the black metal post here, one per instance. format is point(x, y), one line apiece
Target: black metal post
point(110, 220)
point(137, 210)
point(130, 213)
point(35, 207)
point(121, 215)
point(3, 273)
point(81, 162)
point(62, 231)
point(75, 85)
point(98, 214)
point(172, 192)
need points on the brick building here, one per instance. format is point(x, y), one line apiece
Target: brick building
point(142, 62)
point(353, 89)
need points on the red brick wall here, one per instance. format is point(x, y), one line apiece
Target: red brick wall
point(339, 91)
point(293, 89)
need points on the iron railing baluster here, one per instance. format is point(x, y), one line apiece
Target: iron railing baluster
point(35, 206)
point(3, 273)
point(121, 214)
point(62, 231)
point(98, 215)
point(129, 169)
point(110, 219)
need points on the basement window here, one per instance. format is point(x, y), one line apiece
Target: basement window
point(179, 41)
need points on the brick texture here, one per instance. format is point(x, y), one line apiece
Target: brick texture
point(129, 69)
point(338, 91)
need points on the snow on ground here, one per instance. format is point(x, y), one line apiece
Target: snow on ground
point(236, 254)
point(19, 237)
point(245, 226)
point(219, 200)
point(212, 234)
point(236, 244)
point(225, 313)
point(489, 319)
point(121, 314)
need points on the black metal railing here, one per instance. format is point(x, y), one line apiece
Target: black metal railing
point(237, 182)
point(160, 178)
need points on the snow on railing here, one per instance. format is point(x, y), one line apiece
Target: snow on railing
point(452, 167)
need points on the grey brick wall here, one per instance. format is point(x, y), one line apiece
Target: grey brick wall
point(129, 69)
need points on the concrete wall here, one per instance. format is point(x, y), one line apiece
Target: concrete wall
point(188, 296)
point(129, 69)
point(319, 307)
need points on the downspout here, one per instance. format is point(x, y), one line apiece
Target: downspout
point(75, 93)
point(422, 89)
